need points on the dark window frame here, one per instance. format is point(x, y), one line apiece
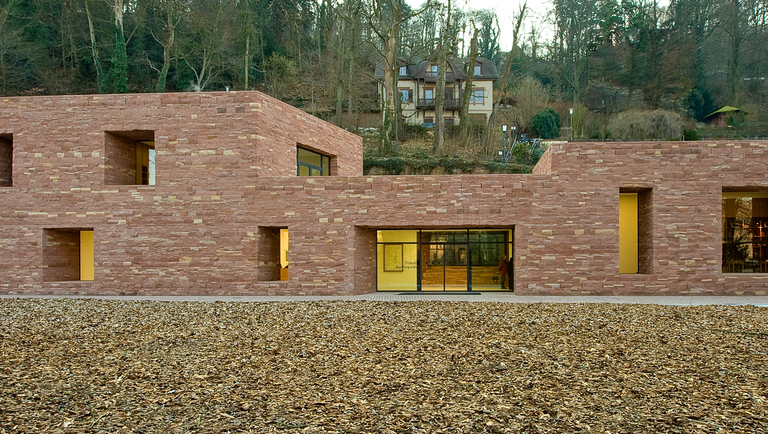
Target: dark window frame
point(325, 163)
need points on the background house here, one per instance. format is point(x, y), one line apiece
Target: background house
point(417, 80)
point(721, 117)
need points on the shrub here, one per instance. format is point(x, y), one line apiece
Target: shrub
point(546, 124)
point(414, 131)
point(522, 153)
point(690, 135)
point(646, 125)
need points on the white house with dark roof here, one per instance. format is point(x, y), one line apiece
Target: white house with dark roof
point(417, 81)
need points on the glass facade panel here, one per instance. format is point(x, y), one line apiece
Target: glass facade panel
point(443, 260)
point(745, 232)
point(396, 260)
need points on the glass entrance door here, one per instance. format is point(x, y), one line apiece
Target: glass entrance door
point(445, 260)
point(432, 267)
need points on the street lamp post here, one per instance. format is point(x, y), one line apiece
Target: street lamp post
point(505, 138)
point(570, 110)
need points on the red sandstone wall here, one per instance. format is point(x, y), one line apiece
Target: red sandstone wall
point(223, 175)
point(544, 165)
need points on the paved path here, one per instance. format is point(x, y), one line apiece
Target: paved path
point(478, 297)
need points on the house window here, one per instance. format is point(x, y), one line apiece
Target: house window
point(477, 96)
point(68, 255)
point(403, 70)
point(429, 95)
point(448, 122)
point(129, 157)
point(406, 96)
point(312, 163)
point(478, 69)
point(432, 71)
point(745, 231)
point(6, 160)
point(429, 121)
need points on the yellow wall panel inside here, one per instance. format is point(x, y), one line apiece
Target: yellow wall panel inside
point(628, 233)
point(86, 255)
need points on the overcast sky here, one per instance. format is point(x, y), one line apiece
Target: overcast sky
point(506, 10)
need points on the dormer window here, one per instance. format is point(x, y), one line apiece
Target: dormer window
point(478, 69)
point(432, 71)
point(403, 70)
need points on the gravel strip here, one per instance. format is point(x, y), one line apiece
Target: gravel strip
point(84, 365)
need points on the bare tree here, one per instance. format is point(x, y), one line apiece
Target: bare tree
point(490, 137)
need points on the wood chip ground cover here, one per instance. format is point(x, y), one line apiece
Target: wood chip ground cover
point(77, 366)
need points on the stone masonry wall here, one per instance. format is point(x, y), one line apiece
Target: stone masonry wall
point(225, 171)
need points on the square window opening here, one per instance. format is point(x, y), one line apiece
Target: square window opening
point(312, 163)
point(129, 157)
point(6, 160)
point(745, 230)
point(68, 254)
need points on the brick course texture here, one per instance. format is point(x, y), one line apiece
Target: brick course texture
point(226, 183)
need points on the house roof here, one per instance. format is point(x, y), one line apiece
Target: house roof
point(416, 68)
point(725, 109)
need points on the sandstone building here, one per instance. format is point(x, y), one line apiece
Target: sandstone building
point(203, 193)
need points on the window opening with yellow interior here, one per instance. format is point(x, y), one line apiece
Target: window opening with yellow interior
point(745, 231)
point(311, 163)
point(444, 260)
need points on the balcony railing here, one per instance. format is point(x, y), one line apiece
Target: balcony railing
point(448, 104)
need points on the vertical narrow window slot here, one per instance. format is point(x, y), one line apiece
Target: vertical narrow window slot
point(636, 231)
point(6, 160)
point(86, 255)
point(628, 233)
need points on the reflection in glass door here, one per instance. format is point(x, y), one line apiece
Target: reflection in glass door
point(432, 269)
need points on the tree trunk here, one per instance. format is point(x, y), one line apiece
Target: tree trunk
point(470, 70)
point(490, 137)
point(161, 79)
point(438, 139)
point(100, 81)
point(119, 69)
point(246, 58)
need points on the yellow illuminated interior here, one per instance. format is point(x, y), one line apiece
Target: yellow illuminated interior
point(448, 258)
point(86, 255)
point(398, 273)
point(628, 234)
point(283, 254)
point(143, 166)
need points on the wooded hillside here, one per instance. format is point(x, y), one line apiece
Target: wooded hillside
point(604, 57)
